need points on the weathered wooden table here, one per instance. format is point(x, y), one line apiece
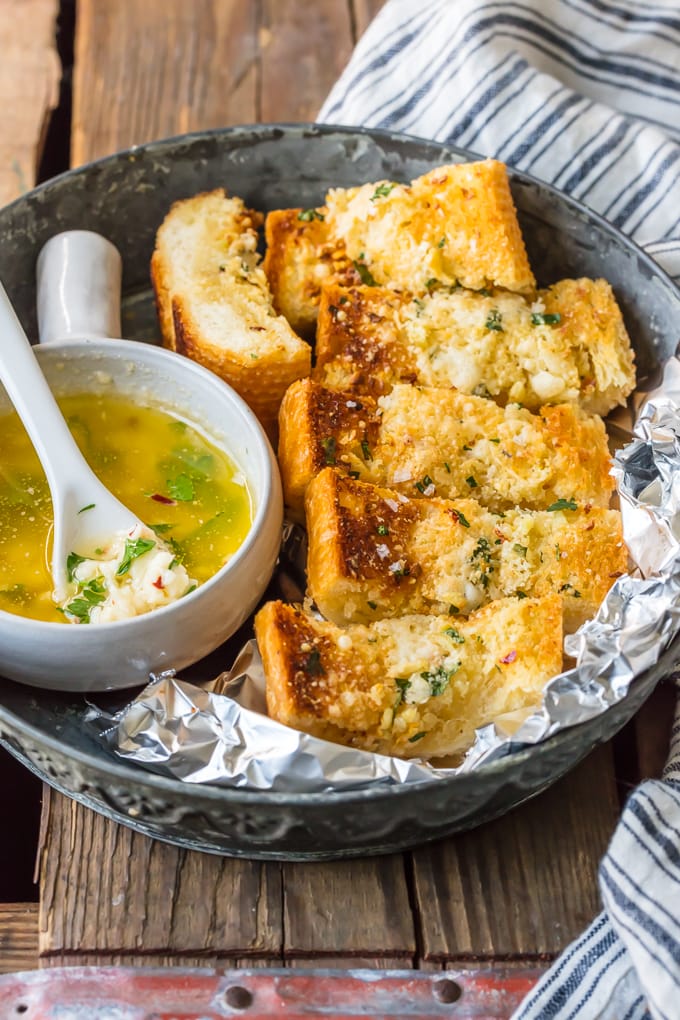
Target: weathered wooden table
point(512, 893)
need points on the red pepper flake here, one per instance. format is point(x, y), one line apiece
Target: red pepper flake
point(499, 534)
point(510, 657)
point(617, 573)
point(589, 527)
point(158, 583)
point(160, 498)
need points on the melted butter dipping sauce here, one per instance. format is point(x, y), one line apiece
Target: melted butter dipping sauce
point(175, 480)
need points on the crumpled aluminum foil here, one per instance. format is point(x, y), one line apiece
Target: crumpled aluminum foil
point(219, 733)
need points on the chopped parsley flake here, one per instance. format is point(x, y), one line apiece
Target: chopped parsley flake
point(448, 469)
point(402, 687)
point(312, 664)
point(329, 445)
point(91, 594)
point(570, 590)
point(417, 736)
point(72, 561)
point(453, 610)
point(472, 481)
point(354, 474)
point(494, 440)
point(365, 450)
point(307, 215)
point(364, 272)
point(90, 506)
point(563, 504)
point(424, 484)
point(372, 605)
point(459, 516)
point(545, 319)
point(494, 321)
point(521, 594)
point(181, 488)
point(441, 242)
point(382, 529)
point(521, 550)
point(134, 548)
point(455, 636)
point(431, 283)
point(482, 553)
point(382, 191)
point(438, 679)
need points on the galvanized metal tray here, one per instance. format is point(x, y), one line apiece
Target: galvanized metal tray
point(272, 166)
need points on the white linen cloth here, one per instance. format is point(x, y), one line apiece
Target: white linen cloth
point(584, 94)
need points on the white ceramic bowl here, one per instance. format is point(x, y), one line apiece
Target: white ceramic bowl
point(107, 656)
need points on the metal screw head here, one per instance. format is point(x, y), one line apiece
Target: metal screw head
point(238, 997)
point(447, 990)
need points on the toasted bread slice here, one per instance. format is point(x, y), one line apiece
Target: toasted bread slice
point(214, 302)
point(374, 553)
point(454, 225)
point(436, 442)
point(569, 345)
point(299, 257)
point(417, 686)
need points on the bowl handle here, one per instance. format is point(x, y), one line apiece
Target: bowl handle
point(78, 286)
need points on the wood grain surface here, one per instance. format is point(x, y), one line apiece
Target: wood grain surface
point(524, 885)
point(29, 86)
point(164, 67)
point(517, 889)
point(18, 937)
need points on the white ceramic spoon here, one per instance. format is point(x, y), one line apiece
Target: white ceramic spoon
point(85, 512)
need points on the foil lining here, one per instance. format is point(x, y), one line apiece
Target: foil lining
point(219, 732)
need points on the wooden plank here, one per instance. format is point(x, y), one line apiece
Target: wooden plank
point(350, 963)
point(348, 908)
point(158, 68)
point(18, 937)
point(525, 884)
point(653, 725)
point(106, 889)
point(29, 85)
point(364, 13)
point(304, 47)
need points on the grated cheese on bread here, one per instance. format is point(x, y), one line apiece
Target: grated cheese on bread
point(417, 686)
point(214, 303)
point(456, 224)
point(570, 344)
point(436, 442)
point(374, 553)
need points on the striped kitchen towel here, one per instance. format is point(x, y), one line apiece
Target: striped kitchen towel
point(584, 94)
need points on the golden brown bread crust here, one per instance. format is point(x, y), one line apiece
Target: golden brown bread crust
point(436, 442)
point(214, 304)
point(373, 553)
point(455, 224)
point(417, 686)
point(570, 344)
point(299, 257)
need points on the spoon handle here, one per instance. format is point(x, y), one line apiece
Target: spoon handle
point(28, 390)
point(73, 484)
point(78, 276)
